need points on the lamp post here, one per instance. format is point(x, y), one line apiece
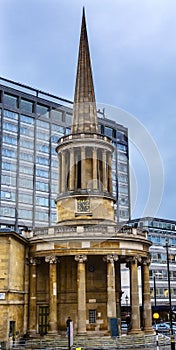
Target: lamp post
point(154, 287)
point(126, 299)
point(170, 301)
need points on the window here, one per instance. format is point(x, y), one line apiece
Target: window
point(68, 118)
point(42, 160)
point(10, 127)
point(26, 131)
point(123, 178)
point(11, 140)
point(25, 198)
point(122, 147)
point(42, 124)
point(25, 183)
point(26, 144)
point(8, 166)
point(42, 135)
point(41, 186)
point(10, 115)
point(42, 201)
point(123, 189)
point(122, 156)
point(123, 201)
point(67, 131)
point(25, 214)
point(26, 119)
point(26, 156)
point(58, 129)
point(26, 169)
point(7, 211)
point(92, 316)
point(42, 110)
point(27, 106)
point(42, 148)
point(11, 100)
point(108, 131)
point(8, 153)
point(8, 180)
point(124, 214)
point(122, 167)
point(121, 136)
point(42, 173)
point(8, 195)
point(55, 113)
point(41, 216)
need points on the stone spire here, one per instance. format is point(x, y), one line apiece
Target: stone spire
point(84, 108)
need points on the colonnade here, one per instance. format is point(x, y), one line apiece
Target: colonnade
point(112, 307)
point(85, 168)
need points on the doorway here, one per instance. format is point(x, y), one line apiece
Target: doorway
point(43, 319)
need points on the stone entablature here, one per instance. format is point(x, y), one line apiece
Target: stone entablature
point(111, 231)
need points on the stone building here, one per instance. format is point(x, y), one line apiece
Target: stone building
point(74, 268)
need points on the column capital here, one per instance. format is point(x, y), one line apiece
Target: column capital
point(33, 261)
point(81, 258)
point(110, 258)
point(137, 259)
point(51, 259)
point(146, 261)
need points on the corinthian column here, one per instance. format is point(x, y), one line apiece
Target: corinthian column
point(95, 173)
point(71, 171)
point(111, 293)
point(52, 260)
point(147, 312)
point(104, 162)
point(81, 280)
point(63, 175)
point(83, 169)
point(32, 297)
point(134, 297)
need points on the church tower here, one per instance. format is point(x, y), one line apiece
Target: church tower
point(84, 156)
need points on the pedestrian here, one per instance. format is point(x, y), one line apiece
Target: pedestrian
point(68, 325)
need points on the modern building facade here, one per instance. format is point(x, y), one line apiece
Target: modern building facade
point(159, 230)
point(31, 124)
point(74, 267)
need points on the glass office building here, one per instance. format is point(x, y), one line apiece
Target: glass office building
point(31, 123)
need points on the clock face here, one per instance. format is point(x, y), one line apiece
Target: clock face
point(83, 205)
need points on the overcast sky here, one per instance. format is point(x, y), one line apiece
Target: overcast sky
point(133, 51)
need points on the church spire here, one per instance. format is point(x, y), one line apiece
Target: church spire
point(84, 108)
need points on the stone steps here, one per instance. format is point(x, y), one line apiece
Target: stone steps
point(94, 343)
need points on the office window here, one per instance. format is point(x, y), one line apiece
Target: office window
point(42, 201)
point(42, 173)
point(26, 143)
point(26, 169)
point(8, 153)
point(122, 167)
point(122, 156)
point(57, 114)
point(121, 136)
point(28, 157)
point(11, 100)
point(10, 127)
point(123, 201)
point(123, 178)
point(123, 189)
point(42, 135)
point(42, 110)
point(42, 186)
point(92, 316)
point(8, 195)
point(27, 106)
point(25, 183)
point(42, 160)
point(25, 198)
point(41, 216)
point(25, 214)
point(26, 131)
point(7, 211)
point(42, 124)
point(108, 131)
point(122, 147)
point(26, 119)
point(8, 180)
point(8, 166)
point(11, 140)
point(68, 118)
point(42, 148)
point(10, 115)
point(67, 131)
point(57, 129)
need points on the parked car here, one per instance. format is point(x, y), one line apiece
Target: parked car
point(164, 327)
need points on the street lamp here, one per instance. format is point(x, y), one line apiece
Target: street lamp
point(126, 299)
point(170, 301)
